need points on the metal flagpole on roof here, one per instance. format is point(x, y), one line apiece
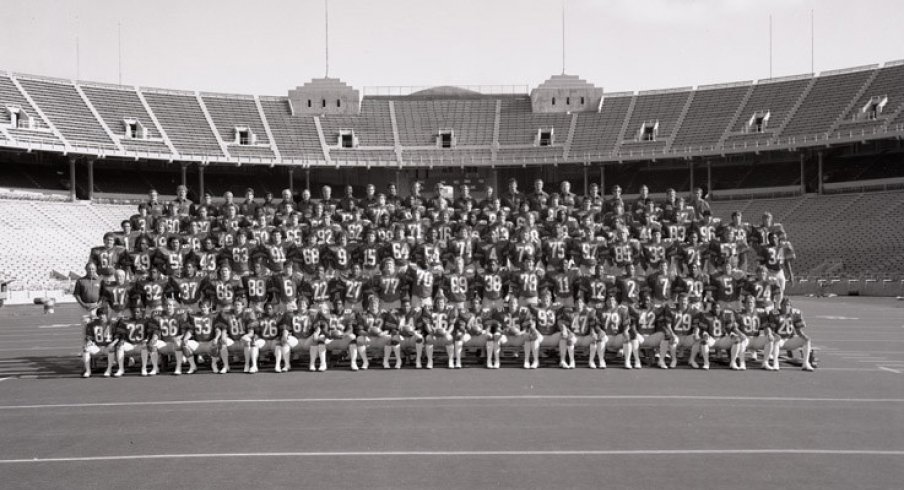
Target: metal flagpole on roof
point(563, 37)
point(119, 48)
point(770, 45)
point(812, 43)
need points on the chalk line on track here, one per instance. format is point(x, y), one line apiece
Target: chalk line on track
point(456, 398)
point(630, 452)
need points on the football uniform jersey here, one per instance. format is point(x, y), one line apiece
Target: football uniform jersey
point(107, 260)
point(284, 288)
point(201, 326)
point(256, 288)
point(186, 290)
point(99, 332)
point(167, 327)
point(152, 292)
point(492, 285)
point(457, 287)
point(116, 296)
point(644, 320)
point(132, 330)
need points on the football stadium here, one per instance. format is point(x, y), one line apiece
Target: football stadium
point(446, 286)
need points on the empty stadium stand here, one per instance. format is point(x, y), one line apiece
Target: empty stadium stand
point(230, 113)
point(710, 112)
point(373, 127)
point(62, 104)
point(118, 105)
point(184, 122)
point(597, 133)
point(773, 97)
point(41, 237)
point(296, 137)
point(663, 108)
point(420, 118)
point(828, 98)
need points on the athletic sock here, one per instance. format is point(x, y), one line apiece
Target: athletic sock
point(397, 350)
point(450, 353)
point(353, 356)
point(419, 352)
point(491, 347)
point(312, 354)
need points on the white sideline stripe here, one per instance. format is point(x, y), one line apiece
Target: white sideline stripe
point(3, 379)
point(457, 398)
point(884, 368)
point(60, 325)
point(862, 340)
point(641, 452)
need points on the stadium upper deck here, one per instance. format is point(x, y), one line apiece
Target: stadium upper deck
point(452, 128)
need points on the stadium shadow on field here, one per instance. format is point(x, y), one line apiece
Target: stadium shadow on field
point(44, 367)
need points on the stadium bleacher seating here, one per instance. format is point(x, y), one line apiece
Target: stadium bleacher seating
point(597, 133)
point(829, 96)
point(518, 124)
point(229, 112)
point(184, 122)
point(664, 107)
point(777, 97)
point(62, 104)
point(40, 237)
point(373, 127)
point(11, 97)
point(116, 104)
point(421, 118)
point(709, 113)
point(296, 137)
point(889, 82)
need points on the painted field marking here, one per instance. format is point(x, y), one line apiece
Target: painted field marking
point(60, 325)
point(884, 368)
point(834, 317)
point(3, 379)
point(454, 398)
point(641, 452)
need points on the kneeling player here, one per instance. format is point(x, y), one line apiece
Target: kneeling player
point(614, 331)
point(230, 326)
point(271, 334)
point(198, 336)
point(99, 341)
point(789, 327)
point(130, 335)
point(436, 321)
point(756, 334)
point(648, 333)
point(164, 338)
point(580, 330)
point(679, 325)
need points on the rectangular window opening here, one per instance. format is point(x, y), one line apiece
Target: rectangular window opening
point(649, 130)
point(545, 137)
point(243, 137)
point(874, 107)
point(758, 122)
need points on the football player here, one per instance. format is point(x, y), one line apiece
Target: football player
point(99, 341)
point(788, 324)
